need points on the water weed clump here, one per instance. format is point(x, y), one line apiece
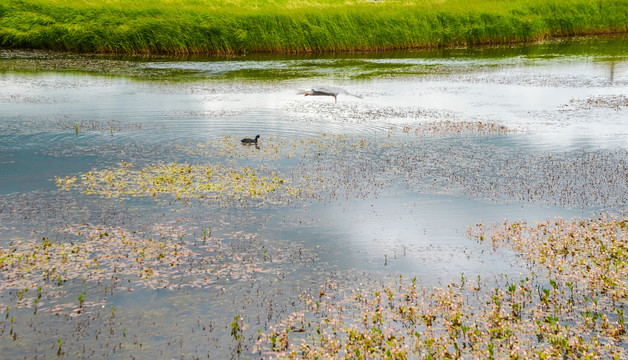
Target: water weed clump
point(402, 321)
point(104, 252)
point(449, 128)
point(332, 166)
point(568, 315)
point(113, 257)
point(591, 252)
point(614, 102)
point(325, 167)
point(178, 27)
point(70, 287)
point(183, 181)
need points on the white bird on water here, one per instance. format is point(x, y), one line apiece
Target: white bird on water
point(328, 91)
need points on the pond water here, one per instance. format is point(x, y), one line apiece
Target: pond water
point(138, 252)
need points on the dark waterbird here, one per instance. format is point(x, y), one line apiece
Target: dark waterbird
point(327, 91)
point(249, 141)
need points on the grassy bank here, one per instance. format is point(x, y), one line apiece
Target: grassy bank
point(221, 26)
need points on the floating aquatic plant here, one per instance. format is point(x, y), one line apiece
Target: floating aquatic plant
point(592, 251)
point(183, 181)
point(451, 322)
point(615, 102)
point(105, 253)
point(330, 166)
point(448, 128)
point(516, 318)
point(345, 166)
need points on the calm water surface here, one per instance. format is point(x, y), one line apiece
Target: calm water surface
point(396, 193)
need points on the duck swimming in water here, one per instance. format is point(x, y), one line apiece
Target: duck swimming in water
point(248, 141)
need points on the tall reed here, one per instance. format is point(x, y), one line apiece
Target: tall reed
point(220, 26)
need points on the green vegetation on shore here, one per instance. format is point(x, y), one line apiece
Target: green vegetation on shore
point(221, 26)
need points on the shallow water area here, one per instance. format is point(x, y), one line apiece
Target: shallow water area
point(133, 222)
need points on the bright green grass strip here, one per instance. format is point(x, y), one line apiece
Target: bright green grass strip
point(223, 26)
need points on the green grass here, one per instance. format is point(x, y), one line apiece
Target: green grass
point(224, 26)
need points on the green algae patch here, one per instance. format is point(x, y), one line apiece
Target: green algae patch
point(184, 181)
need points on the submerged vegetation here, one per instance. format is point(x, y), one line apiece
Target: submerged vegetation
point(184, 27)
